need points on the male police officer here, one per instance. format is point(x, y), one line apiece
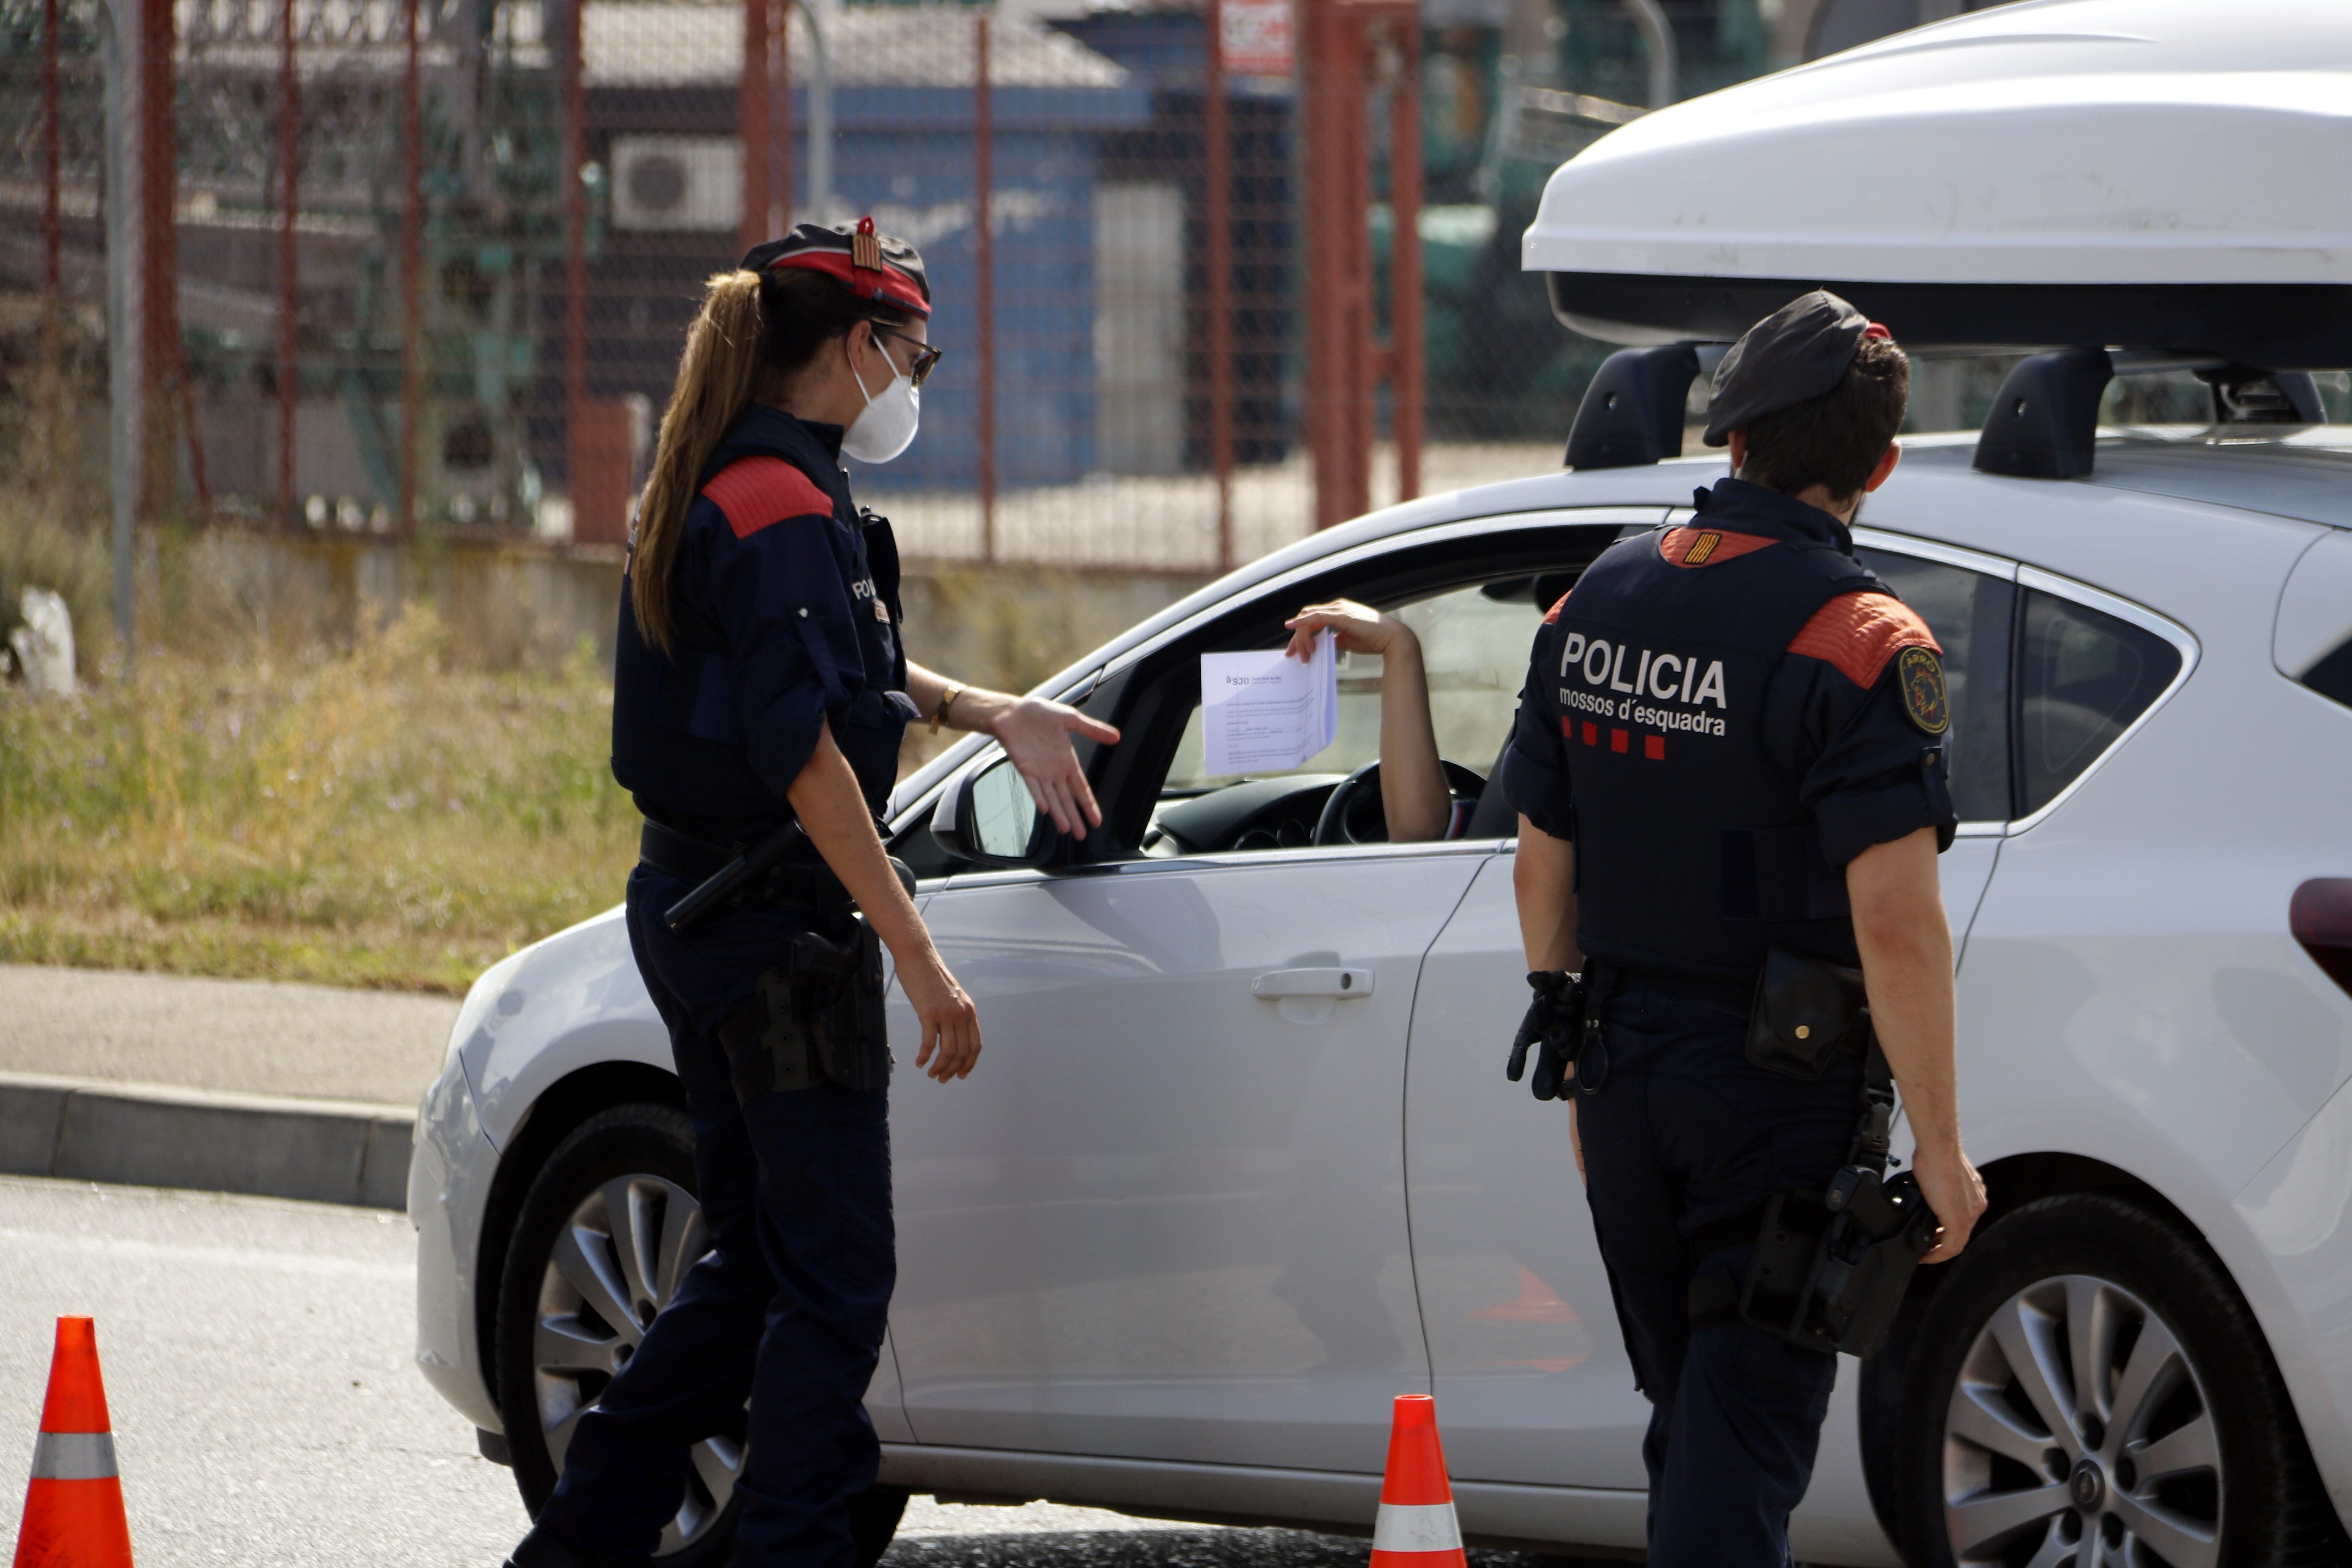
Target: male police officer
point(1731, 741)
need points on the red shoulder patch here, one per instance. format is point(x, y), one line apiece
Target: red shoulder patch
point(1707, 546)
point(758, 492)
point(1857, 634)
point(1551, 616)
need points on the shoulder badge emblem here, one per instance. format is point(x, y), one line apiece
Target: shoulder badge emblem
point(1701, 547)
point(1922, 675)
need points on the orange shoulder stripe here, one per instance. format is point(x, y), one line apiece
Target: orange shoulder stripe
point(1707, 546)
point(1857, 634)
point(757, 492)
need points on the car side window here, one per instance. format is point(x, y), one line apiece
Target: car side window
point(2083, 676)
point(1970, 612)
point(1474, 641)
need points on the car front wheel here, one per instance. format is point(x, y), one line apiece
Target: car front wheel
point(606, 1235)
point(2089, 1389)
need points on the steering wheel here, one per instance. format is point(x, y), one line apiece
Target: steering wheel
point(1345, 818)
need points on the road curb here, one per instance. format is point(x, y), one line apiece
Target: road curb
point(158, 1135)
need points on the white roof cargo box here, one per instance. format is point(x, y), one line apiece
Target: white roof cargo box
point(2148, 173)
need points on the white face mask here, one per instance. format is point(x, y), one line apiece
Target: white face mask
point(885, 427)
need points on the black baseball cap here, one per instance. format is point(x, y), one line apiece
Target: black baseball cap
point(1796, 353)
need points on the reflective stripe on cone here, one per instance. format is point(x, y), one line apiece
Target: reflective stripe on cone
point(1416, 1528)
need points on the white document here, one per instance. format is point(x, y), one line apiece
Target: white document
point(1267, 712)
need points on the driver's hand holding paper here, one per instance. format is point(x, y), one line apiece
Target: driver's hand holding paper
point(1269, 713)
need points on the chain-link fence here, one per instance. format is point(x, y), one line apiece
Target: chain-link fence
point(434, 259)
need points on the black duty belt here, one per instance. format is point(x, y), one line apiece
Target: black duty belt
point(1737, 998)
point(692, 859)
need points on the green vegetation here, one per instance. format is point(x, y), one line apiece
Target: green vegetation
point(368, 818)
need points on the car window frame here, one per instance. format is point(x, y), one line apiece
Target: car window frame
point(1626, 518)
point(2000, 570)
point(2182, 639)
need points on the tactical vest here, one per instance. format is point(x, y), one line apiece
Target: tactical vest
point(1694, 852)
point(677, 743)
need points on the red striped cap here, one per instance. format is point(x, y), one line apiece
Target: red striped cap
point(871, 265)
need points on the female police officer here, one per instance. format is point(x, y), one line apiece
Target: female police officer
point(760, 680)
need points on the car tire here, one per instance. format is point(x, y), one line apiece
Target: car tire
point(2185, 1448)
point(607, 1230)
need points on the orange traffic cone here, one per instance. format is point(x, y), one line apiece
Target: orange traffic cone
point(1416, 1527)
point(73, 1509)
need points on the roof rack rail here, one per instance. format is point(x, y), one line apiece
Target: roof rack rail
point(2044, 423)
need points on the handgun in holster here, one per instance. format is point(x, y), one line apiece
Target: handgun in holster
point(816, 1017)
point(1553, 1029)
point(1829, 1267)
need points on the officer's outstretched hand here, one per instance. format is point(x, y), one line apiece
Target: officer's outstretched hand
point(1037, 734)
point(945, 1019)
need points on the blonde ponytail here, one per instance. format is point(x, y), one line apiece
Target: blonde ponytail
point(716, 378)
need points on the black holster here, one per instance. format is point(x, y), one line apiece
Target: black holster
point(815, 1018)
point(1829, 1267)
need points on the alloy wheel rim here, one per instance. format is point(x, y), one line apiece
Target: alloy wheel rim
point(616, 1261)
point(2079, 1433)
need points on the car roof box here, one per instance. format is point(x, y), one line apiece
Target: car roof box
point(2144, 174)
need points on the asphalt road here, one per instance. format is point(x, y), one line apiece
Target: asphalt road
point(256, 1356)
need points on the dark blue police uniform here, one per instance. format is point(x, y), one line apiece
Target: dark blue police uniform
point(785, 618)
point(1716, 716)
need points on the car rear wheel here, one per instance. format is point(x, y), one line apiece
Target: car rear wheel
point(606, 1235)
point(2089, 1389)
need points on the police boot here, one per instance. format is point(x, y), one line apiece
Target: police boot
point(541, 1549)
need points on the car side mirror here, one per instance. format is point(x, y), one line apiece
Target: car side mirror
point(987, 815)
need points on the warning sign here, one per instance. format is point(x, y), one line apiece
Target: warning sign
point(1255, 37)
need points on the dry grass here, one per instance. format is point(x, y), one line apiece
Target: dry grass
point(369, 818)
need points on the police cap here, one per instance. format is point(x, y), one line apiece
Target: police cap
point(877, 267)
point(1796, 353)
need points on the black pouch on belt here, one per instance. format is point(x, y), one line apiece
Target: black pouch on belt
point(1807, 1014)
point(815, 1018)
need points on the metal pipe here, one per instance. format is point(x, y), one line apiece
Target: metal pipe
point(411, 271)
point(1659, 35)
point(161, 373)
point(1219, 175)
point(289, 155)
point(121, 328)
point(983, 154)
point(820, 118)
point(52, 245)
point(782, 107)
point(1405, 390)
point(575, 261)
point(753, 124)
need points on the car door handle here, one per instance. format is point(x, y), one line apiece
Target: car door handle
point(1343, 984)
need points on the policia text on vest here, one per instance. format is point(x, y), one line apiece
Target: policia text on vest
point(1728, 763)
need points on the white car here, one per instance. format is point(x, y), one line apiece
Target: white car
point(1240, 1163)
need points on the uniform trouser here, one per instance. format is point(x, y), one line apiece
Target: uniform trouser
point(1682, 1132)
point(789, 1306)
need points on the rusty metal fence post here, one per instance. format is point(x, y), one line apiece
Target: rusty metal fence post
point(1218, 172)
point(984, 233)
point(577, 458)
point(1404, 356)
point(753, 123)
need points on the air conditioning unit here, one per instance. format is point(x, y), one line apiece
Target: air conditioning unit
point(677, 183)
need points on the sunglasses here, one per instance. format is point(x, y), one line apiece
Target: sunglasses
point(926, 356)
